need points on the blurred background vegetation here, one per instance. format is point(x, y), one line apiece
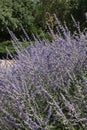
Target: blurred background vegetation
point(34, 14)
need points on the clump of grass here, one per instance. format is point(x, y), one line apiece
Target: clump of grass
point(47, 85)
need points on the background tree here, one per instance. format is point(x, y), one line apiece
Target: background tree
point(6, 18)
point(63, 9)
point(78, 10)
point(12, 13)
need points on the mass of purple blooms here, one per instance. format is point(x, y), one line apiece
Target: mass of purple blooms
point(46, 87)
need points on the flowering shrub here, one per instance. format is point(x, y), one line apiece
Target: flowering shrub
point(46, 87)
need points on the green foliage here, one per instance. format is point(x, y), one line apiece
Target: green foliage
point(5, 44)
point(6, 13)
point(63, 9)
point(12, 13)
point(8, 45)
point(23, 11)
point(78, 10)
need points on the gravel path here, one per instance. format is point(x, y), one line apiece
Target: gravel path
point(6, 63)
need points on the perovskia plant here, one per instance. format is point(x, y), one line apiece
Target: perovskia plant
point(46, 88)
